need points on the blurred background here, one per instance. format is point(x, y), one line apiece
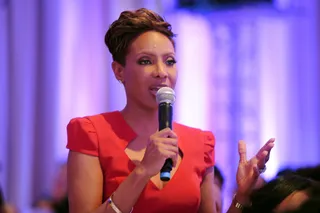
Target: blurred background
point(248, 69)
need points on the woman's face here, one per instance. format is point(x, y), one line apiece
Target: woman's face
point(150, 64)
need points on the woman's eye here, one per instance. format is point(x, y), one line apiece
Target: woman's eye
point(171, 62)
point(144, 62)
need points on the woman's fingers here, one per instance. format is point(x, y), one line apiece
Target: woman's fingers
point(242, 149)
point(166, 133)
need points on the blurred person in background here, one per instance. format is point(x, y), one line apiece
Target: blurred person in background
point(218, 187)
point(57, 200)
point(283, 193)
point(2, 203)
point(115, 157)
point(5, 207)
point(312, 205)
point(218, 177)
point(312, 172)
point(61, 206)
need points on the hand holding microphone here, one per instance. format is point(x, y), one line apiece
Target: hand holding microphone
point(162, 151)
point(161, 146)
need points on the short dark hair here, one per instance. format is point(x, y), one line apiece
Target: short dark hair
point(129, 26)
point(267, 198)
point(312, 172)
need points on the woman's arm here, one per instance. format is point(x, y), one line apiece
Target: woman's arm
point(85, 186)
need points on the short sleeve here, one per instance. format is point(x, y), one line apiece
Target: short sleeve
point(82, 136)
point(209, 154)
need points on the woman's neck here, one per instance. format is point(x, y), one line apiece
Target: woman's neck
point(143, 122)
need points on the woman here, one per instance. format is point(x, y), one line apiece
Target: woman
point(115, 158)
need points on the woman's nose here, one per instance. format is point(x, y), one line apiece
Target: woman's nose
point(161, 71)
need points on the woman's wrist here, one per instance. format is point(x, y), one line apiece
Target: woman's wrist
point(120, 201)
point(140, 172)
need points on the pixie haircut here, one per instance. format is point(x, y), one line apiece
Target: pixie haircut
point(129, 26)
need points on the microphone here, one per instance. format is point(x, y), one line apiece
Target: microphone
point(165, 97)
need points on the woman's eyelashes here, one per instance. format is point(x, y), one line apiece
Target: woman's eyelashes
point(144, 62)
point(169, 61)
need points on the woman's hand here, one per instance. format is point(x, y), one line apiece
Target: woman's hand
point(161, 145)
point(248, 171)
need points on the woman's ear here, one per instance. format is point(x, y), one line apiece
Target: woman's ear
point(118, 71)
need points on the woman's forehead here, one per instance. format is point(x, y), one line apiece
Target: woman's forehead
point(151, 42)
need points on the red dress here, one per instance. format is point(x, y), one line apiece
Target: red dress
point(107, 135)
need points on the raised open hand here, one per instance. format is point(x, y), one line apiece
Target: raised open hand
point(249, 171)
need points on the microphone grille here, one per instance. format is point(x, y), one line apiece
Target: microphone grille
point(165, 95)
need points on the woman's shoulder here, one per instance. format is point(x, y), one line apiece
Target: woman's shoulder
point(191, 138)
point(193, 134)
point(89, 134)
point(112, 115)
point(99, 124)
point(184, 129)
point(105, 117)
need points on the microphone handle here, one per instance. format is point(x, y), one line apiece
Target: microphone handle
point(165, 120)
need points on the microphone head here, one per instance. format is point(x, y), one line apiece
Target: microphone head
point(165, 95)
